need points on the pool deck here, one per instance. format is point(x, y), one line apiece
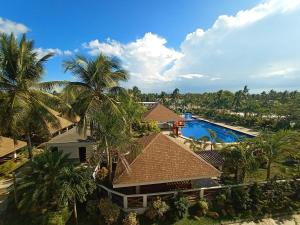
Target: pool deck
point(236, 128)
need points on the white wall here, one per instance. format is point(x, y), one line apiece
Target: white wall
point(73, 148)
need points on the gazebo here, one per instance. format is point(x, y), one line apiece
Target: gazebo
point(162, 165)
point(165, 118)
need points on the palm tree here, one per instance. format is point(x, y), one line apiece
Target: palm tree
point(175, 97)
point(98, 81)
point(197, 144)
point(111, 133)
point(213, 138)
point(24, 99)
point(274, 146)
point(239, 159)
point(76, 185)
point(132, 111)
point(40, 186)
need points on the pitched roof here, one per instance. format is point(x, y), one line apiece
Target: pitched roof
point(160, 113)
point(63, 122)
point(162, 160)
point(70, 136)
point(213, 157)
point(8, 146)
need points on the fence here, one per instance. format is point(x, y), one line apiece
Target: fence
point(139, 202)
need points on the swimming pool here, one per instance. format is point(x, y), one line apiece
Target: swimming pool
point(198, 128)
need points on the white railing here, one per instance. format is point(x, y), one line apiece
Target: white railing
point(139, 202)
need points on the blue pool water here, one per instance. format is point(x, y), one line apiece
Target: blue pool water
point(198, 128)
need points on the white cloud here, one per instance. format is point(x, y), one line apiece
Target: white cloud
point(258, 47)
point(56, 51)
point(146, 58)
point(8, 26)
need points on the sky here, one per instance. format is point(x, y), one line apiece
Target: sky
point(193, 45)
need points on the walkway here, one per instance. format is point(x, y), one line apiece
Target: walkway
point(237, 128)
point(294, 220)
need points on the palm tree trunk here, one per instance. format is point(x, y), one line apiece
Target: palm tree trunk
point(108, 159)
point(29, 145)
point(269, 170)
point(75, 212)
point(15, 187)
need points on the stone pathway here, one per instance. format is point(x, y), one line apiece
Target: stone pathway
point(294, 220)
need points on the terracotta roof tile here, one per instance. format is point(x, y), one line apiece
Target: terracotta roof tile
point(161, 113)
point(213, 157)
point(163, 160)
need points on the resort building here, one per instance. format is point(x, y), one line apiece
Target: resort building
point(9, 148)
point(64, 124)
point(166, 118)
point(162, 165)
point(77, 145)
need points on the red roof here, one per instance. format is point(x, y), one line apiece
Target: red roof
point(161, 113)
point(162, 160)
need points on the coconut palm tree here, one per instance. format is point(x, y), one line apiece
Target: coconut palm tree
point(76, 185)
point(24, 99)
point(98, 81)
point(111, 132)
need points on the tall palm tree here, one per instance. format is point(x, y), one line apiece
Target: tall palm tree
point(76, 185)
point(24, 99)
point(98, 81)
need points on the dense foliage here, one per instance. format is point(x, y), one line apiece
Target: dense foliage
point(273, 110)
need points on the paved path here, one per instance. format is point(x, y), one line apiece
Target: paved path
point(294, 220)
point(237, 128)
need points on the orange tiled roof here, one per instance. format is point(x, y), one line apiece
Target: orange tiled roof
point(8, 146)
point(162, 160)
point(160, 113)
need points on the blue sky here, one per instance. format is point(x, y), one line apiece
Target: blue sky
point(191, 44)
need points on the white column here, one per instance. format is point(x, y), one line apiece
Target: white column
point(125, 202)
point(144, 201)
point(201, 193)
point(15, 155)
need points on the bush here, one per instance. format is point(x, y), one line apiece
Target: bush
point(7, 167)
point(57, 218)
point(202, 207)
point(131, 219)
point(181, 206)
point(109, 211)
point(92, 208)
point(157, 209)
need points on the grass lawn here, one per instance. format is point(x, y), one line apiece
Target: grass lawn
point(278, 169)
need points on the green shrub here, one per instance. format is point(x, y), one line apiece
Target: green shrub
point(202, 207)
point(181, 206)
point(240, 199)
point(131, 219)
point(57, 218)
point(109, 211)
point(92, 208)
point(157, 209)
point(7, 167)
